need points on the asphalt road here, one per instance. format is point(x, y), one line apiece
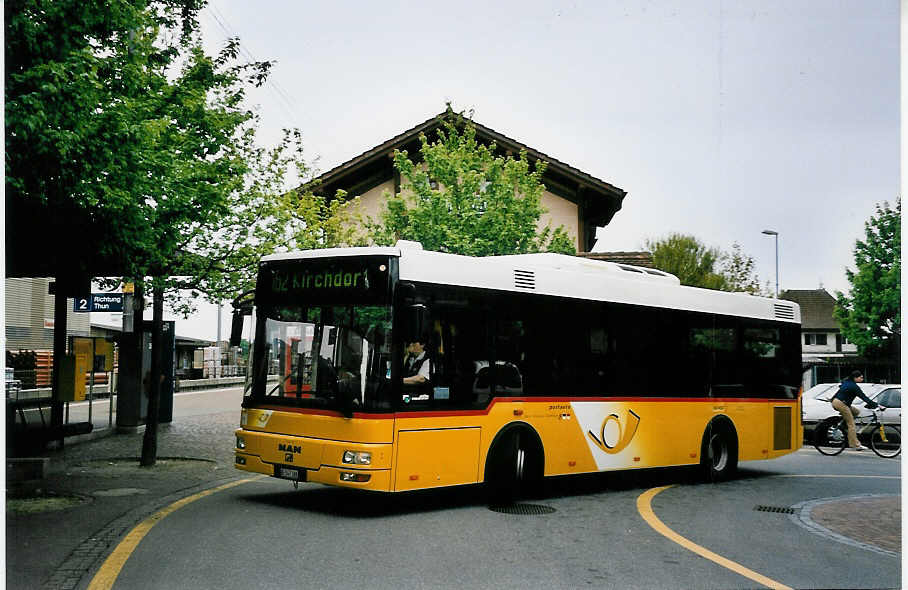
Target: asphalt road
point(264, 534)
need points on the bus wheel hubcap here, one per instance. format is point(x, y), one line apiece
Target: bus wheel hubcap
point(718, 453)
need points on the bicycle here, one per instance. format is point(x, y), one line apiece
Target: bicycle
point(831, 436)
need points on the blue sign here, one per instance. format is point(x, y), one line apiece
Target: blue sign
point(100, 302)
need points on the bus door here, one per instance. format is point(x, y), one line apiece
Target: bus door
point(437, 446)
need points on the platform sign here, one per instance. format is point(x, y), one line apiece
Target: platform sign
point(99, 302)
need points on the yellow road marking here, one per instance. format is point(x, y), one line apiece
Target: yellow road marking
point(646, 511)
point(110, 569)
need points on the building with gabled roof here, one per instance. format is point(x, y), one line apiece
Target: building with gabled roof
point(573, 198)
point(827, 355)
point(821, 333)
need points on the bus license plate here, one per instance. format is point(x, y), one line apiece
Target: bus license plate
point(291, 473)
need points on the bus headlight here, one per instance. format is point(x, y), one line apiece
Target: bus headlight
point(358, 457)
point(240, 442)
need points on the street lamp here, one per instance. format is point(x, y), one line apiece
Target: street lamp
point(770, 232)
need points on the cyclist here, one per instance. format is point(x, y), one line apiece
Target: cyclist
point(849, 390)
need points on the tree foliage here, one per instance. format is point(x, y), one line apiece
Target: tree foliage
point(687, 258)
point(870, 315)
point(89, 104)
point(463, 198)
point(698, 265)
point(737, 268)
point(115, 112)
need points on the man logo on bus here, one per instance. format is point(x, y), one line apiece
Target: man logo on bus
point(617, 438)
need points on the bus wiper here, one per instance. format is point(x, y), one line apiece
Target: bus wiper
point(280, 384)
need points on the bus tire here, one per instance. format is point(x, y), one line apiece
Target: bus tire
point(719, 451)
point(515, 464)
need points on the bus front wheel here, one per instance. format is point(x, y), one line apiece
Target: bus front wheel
point(514, 467)
point(719, 451)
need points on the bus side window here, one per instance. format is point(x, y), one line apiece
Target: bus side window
point(462, 361)
point(506, 376)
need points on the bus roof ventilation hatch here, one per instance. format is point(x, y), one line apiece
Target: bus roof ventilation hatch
point(408, 245)
point(525, 279)
point(630, 268)
point(784, 312)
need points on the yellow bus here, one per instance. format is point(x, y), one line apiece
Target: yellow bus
point(532, 365)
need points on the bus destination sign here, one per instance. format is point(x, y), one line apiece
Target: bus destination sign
point(358, 279)
point(299, 280)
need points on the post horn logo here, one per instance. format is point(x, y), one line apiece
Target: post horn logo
point(616, 443)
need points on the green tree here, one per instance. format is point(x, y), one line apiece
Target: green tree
point(738, 270)
point(220, 260)
point(463, 198)
point(119, 123)
point(115, 115)
point(88, 107)
point(698, 265)
point(689, 259)
point(870, 315)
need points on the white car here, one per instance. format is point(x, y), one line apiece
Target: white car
point(889, 396)
point(816, 402)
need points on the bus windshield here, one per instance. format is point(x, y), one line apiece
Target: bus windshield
point(331, 357)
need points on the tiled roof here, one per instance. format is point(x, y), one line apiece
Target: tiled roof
point(816, 308)
point(503, 141)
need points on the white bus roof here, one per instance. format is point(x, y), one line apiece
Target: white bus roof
point(563, 276)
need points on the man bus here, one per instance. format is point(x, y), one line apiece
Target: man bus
point(539, 365)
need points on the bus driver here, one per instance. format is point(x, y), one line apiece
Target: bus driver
point(417, 365)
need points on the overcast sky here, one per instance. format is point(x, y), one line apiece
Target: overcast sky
point(719, 118)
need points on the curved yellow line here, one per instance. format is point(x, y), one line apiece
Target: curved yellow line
point(646, 511)
point(110, 569)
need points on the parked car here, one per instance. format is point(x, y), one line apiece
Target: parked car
point(816, 403)
point(890, 396)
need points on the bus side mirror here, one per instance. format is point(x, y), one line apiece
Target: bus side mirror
point(417, 320)
point(236, 328)
point(236, 324)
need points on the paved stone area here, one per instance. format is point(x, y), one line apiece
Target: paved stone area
point(876, 521)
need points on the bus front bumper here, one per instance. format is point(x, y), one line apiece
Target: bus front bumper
point(367, 479)
point(303, 459)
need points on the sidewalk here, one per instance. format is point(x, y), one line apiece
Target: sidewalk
point(872, 521)
point(105, 493)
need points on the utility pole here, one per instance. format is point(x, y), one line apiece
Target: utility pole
point(56, 407)
point(770, 232)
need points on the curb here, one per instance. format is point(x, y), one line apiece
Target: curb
point(77, 570)
point(802, 518)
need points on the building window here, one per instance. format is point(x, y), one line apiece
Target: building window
point(818, 339)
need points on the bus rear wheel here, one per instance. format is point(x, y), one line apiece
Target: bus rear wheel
point(514, 467)
point(719, 452)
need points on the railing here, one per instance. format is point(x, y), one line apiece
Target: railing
point(28, 409)
point(227, 375)
point(24, 379)
point(216, 372)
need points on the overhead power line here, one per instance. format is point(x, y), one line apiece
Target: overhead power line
point(282, 97)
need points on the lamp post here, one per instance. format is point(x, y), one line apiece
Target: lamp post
point(770, 232)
